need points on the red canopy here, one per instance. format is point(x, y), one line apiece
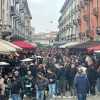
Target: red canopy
point(24, 44)
point(94, 48)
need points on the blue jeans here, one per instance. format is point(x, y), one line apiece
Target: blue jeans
point(15, 97)
point(81, 96)
point(39, 94)
point(98, 84)
point(52, 89)
point(57, 88)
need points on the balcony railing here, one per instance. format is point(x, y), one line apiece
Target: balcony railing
point(79, 21)
point(86, 2)
point(21, 7)
point(86, 18)
point(17, 1)
point(75, 22)
point(82, 4)
point(78, 8)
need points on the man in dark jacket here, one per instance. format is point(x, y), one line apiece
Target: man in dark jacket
point(28, 86)
point(52, 83)
point(41, 85)
point(16, 87)
point(92, 76)
point(81, 84)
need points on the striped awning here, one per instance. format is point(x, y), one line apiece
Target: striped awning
point(7, 47)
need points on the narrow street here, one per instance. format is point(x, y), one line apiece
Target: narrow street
point(49, 49)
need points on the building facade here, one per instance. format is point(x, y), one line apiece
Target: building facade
point(17, 16)
point(79, 20)
point(5, 19)
point(47, 39)
point(90, 18)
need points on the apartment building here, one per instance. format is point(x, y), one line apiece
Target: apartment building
point(79, 21)
point(15, 18)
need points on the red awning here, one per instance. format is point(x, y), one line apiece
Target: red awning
point(24, 44)
point(94, 48)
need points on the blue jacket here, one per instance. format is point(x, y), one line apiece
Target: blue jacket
point(81, 84)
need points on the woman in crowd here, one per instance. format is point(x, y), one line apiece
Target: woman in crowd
point(81, 84)
point(52, 83)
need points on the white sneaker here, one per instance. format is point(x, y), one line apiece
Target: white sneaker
point(69, 97)
point(53, 96)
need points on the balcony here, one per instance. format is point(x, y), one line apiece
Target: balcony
point(0, 22)
point(86, 18)
point(82, 4)
point(88, 34)
point(95, 12)
point(75, 22)
point(6, 30)
point(79, 21)
point(86, 2)
point(17, 1)
point(67, 26)
point(78, 8)
point(21, 8)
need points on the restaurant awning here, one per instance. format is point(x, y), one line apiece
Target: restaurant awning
point(86, 45)
point(95, 48)
point(11, 44)
point(69, 44)
point(5, 48)
point(24, 44)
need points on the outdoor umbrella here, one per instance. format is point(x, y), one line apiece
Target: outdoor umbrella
point(27, 60)
point(2, 64)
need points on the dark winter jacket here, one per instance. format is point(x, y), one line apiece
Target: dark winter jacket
point(81, 84)
point(41, 84)
point(16, 86)
point(28, 85)
point(51, 78)
point(92, 74)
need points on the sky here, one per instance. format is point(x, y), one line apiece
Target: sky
point(45, 14)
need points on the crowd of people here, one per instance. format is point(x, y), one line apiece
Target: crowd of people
point(50, 74)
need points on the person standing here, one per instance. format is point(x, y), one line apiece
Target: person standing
point(28, 86)
point(16, 87)
point(98, 80)
point(92, 76)
point(81, 85)
point(2, 87)
point(52, 83)
point(41, 85)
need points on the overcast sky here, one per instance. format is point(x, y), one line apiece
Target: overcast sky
point(45, 14)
